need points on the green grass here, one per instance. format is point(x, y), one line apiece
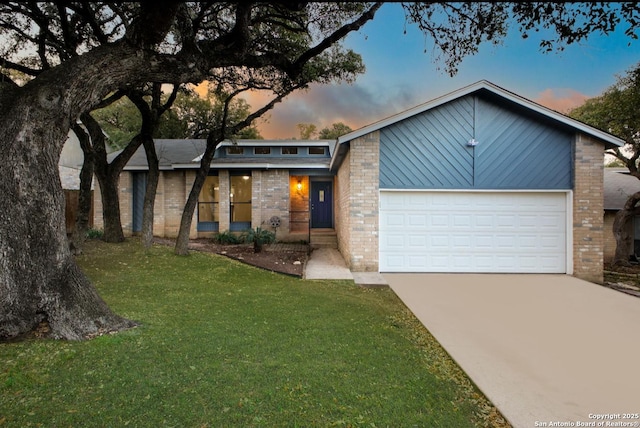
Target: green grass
point(222, 344)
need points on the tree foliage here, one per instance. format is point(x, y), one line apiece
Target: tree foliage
point(617, 111)
point(456, 30)
point(336, 130)
point(307, 130)
point(190, 117)
point(120, 121)
point(193, 116)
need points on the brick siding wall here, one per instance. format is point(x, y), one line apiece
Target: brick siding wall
point(362, 201)
point(588, 210)
point(125, 190)
point(270, 197)
point(343, 196)
point(159, 216)
point(224, 204)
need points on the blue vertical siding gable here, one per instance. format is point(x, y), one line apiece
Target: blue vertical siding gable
point(514, 150)
point(427, 151)
point(518, 152)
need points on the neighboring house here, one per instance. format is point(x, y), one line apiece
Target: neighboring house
point(618, 186)
point(479, 180)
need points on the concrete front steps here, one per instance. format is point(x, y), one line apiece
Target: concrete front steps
point(323, 238)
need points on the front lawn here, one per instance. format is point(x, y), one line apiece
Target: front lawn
point(223, 344)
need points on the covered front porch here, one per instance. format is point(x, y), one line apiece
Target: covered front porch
point(311, 213)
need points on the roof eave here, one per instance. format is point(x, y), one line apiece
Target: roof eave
point(248, 165)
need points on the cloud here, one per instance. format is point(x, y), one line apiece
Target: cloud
point(357, 105)
point(561, 100)
point(323, 105)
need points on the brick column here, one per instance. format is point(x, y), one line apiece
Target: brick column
point(158, 207)
point(223, 205)
point(343, 197)
point(256, 198)
point(190, 177)
point(125, 189)
point(98, 221)
point(588, 210)
point(364, 202)
point(274, 201)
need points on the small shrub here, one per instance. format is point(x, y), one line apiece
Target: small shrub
point(227, 238)
point(259, 237)
point(94, 233)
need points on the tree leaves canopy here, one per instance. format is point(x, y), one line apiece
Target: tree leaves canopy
point(282, 36)
point(617, 111)
point(190, 117)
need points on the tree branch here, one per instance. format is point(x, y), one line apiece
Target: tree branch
point(335, 37)
point(153, 22)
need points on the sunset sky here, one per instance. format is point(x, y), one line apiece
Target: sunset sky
point(401, 74)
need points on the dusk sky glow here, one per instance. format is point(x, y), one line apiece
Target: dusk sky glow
point(400, 74)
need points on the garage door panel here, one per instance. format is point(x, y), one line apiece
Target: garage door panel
point(417, 220)
point(438, 241)
point(528, 242)
point(481, 242)
point(438, 262)
point(506, 242)
point(438, 221)
point(395, 262)
point(417, 261)
point(459, 242)
point(528, 221)
point(473, 232)
point(395, 220)
point(483, 220)
point(417, 241)
point(506, 221)
point(461, 221)
point(549, 242)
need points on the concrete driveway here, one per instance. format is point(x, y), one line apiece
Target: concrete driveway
point(545, 349)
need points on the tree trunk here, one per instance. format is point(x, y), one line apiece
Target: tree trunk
point(39, 278)
point(108, 175)
point(84, 198)
point(182, 242)
point(150, 121)
point(621, 226)
point(150, 192)
point(110, 205)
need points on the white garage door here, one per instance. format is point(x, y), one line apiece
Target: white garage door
point(506, 232)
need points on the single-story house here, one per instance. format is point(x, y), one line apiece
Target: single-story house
point(618, 186)
point(479, 180)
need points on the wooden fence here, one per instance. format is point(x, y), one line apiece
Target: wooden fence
point(71, 208)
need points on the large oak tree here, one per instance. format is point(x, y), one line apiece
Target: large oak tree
point(77, 53)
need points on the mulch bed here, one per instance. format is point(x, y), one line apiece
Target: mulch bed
point(289, 260)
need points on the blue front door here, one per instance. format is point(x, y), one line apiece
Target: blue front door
point(321, 204)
